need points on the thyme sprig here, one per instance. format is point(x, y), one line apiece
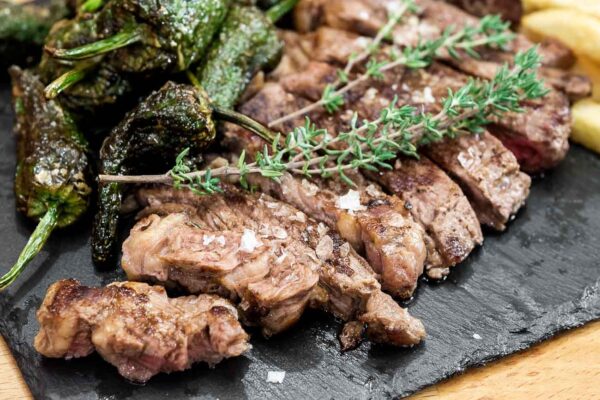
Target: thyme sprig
point(490, 32)
point(370, 144)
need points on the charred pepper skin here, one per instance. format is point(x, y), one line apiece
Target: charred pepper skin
point(151, 136)
point(246, 43)
point(150, 36)
point(102, 88)
point(51, 182)
point(23, 29)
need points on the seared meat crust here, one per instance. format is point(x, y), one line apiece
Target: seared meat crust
point(346, 286)
point(137, 328)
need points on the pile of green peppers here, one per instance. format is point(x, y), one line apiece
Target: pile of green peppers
point(95, 59)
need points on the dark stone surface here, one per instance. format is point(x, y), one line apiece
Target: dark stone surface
point(523, 286)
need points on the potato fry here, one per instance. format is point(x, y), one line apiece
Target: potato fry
point(578, 31)
point(587, 67)
point(590, 7)
point(586, 124)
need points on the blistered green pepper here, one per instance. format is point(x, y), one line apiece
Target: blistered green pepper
point(246, 43)
point(23, 28)
point(52, 165)
point(149, 36)
point(151, 136)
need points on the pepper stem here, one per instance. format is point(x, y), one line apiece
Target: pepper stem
point(279, 10)
point(122, 39)
point(34, 245)
point(244, 121)
point(90, 6)
point(68, 79)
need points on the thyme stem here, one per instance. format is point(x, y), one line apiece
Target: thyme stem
point(490, 31)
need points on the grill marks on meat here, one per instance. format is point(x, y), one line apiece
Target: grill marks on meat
point(439, 205)
point(346, 286)
point(137, 328)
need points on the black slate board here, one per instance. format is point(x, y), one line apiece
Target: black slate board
point(523, 286)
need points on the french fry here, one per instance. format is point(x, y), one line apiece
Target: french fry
point(590, 7)
point(589, 68)
point(578, 31)
point(586, 124)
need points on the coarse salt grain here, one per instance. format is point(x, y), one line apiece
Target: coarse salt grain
point(220, 240)
point(208, 239)
point(350, 201)
point(249, 242)
point(275, 376)
point(476, 336)
point(324, 248)
point(428, 95)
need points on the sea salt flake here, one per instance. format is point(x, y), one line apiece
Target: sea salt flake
point(372, 191)
point(249, 242)
point(275, 376)
point(476, 336)
point(324, 248)
point(310, 188)
point(221, 240)
point(322, 229)
point(350, 201)
point(344, 249)
point(208, 239)
point(428, 95)
point(280, 233)
point(299, 217)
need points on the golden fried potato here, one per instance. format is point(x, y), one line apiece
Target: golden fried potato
point(575, 29)
point(586, 124)
point(590, 7)
point(587, 67)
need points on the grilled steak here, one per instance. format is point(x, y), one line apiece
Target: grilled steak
point(439, 205)
point(137, 328)
point(366, 17)
point(208, 260)
point(538, 136)
point(510, 10)
point(375, 224)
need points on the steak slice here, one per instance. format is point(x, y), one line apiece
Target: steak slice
point(510, 10)
point(487, 173)
point(346, 287)
point(271, 277)
point(439, 205)
point(137, 328)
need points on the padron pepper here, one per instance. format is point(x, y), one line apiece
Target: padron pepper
point(149, 139)
point(99, 84)
point(246, 43)
point(23, 28)
point(150, 136)
point(147, 36)
point(52, 165)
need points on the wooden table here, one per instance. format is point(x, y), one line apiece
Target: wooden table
point(564, 368)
